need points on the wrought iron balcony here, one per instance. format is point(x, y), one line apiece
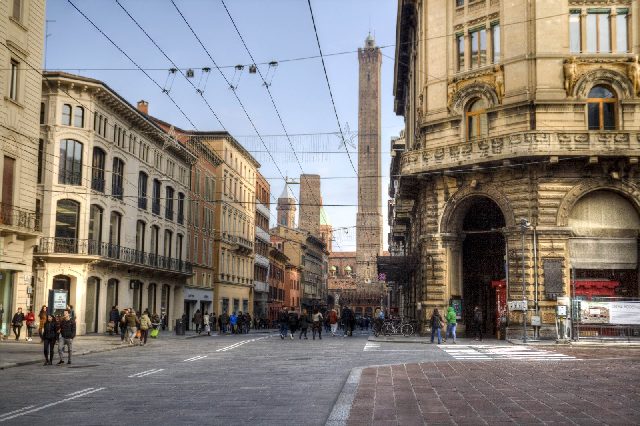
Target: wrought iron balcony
point(81, 247)
point(520, 145)
point(18, 219)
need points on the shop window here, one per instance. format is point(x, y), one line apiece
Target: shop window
point(601, 109)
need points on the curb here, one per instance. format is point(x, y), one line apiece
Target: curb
point(342, 407)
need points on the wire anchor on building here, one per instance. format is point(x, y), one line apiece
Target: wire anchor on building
point(168, 83)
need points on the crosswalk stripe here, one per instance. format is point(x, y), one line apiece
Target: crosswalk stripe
point(488, 352)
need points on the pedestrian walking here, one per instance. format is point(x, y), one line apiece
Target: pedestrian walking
point(348, 321)
point(247, 322)
point(42, 316)
point(240, 322)
point(197, 320)
point(123, 324)
point(114, 320)
point(233, 322)
point(72, 313)
point(30, 322)
point(451, 324)
point(224, 322)
point(304, 324)
point(478, 323)
point(67, 334)
point(436, 325)
point(16, 323)
point(49, 336)
point(145, 325)
point(333, 321)
point(212, 321)
point(205, 322)
point(283, 322)
point(293, 322)
point(317, 320)
point(132, 325)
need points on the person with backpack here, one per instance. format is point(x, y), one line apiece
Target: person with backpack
point(145, 325)
point(478, 323)
point(67, 334)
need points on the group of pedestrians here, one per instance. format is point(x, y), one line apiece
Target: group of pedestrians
point(291, 321)
point(133, 326)
point(450, 321)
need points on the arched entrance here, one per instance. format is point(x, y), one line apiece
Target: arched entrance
point(483, 254)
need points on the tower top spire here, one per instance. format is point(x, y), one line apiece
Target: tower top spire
point(370, 41)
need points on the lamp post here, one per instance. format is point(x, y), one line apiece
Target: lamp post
point(524, 225)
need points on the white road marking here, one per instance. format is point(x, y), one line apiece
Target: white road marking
point(80, 391)
point(15, 411)
point(493, 352)
point(236, 345)
point(146, 373)
point(6, 416)
point(371, 346)
point(195, 358)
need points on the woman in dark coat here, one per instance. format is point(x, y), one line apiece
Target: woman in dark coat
point(304, 324)
point(436, 324)
point(49, 337)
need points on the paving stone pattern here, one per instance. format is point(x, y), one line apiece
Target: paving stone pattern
point(509, 392)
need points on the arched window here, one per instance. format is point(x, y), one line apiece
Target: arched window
point(477, 123)
point(168, 203)
point(97, 169)
point(70, 167)
point(155, 197)
point(143, 178)
point(78, 117)
point(117, 178)
point(95, 228)
point(66, 115)
point(67, 213)
point(601, 106)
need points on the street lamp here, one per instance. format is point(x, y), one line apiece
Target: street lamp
point(524, 225)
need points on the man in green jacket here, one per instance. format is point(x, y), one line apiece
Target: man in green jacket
point(451, 323)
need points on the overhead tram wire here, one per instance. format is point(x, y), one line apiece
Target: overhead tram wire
point(132, 61)
point(326, 76)
point(172, 63)
point(273, 102)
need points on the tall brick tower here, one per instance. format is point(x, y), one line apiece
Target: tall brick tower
point(369, 218)
point(286, 208)
point(310, 204)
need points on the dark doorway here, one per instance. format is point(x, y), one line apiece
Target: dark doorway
point(483, 253)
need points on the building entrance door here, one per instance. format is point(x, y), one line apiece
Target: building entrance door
point(483, 254)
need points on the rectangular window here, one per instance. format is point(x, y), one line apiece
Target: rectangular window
point(598, 32)
point(575, 32)
point(459, 3)
point(478, 48)
point(117, 179)
point(17, 10)
point(13, 81)
point(70, 162)
point(42, 115)
point(495, 33)
point(41, 154)
point(168, 203)
point(155, 201)
point(622, 32)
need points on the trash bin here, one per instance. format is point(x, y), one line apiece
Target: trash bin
point(179, 328)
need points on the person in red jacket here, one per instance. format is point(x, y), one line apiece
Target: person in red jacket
point(30, 319)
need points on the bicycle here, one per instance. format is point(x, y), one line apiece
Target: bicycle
point(398, 327)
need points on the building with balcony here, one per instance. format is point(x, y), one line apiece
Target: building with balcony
point(21, 51)
point(279, 279)
point(199, 217)
point(519, 168)
point(114, 185)
point(262, 248)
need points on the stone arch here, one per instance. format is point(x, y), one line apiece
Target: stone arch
point(462, 97)
point(451, 220)
point(617, 81)
point(631, 193)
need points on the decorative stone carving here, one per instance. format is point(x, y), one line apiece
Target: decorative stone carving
point(487, 83)
point(570, 69)
point(581, 74)
point(633, 72)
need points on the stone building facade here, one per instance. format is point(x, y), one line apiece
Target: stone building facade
point(369, 216)
point(114, 185)
point(520, 170)
point(21, 48)
point(310, 204)
point(262, 247)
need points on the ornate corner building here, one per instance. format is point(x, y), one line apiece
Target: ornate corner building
point(518, 172)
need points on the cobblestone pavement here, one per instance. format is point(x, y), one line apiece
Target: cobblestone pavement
point(493, 392)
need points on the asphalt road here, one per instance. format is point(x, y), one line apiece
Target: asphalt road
point(248, 379)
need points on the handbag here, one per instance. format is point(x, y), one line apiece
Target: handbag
point(138, 334)
point(111, 326)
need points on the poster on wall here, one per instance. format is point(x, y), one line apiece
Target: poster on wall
point(617, 313)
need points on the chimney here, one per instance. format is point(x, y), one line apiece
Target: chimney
point(143, 107)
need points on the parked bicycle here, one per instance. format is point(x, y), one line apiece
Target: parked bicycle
point(398, 326)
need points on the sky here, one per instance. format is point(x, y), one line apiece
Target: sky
point(273, 30)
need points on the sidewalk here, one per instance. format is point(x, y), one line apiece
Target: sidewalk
point(15, 354)
point(457, 392)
